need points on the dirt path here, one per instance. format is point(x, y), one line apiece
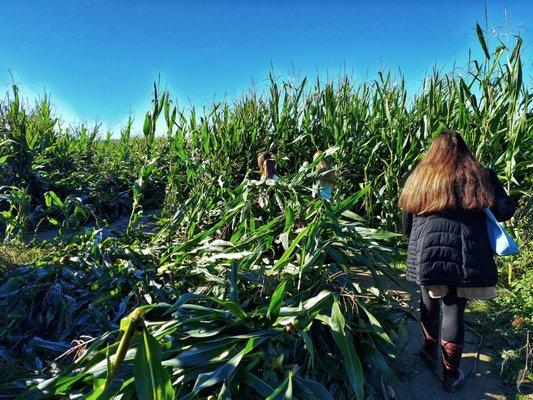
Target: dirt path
point(418, 383)
point(481, 382)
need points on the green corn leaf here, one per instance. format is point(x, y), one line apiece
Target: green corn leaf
point(234, 291)
point(376, 326)
point(276, 301)
point(224, 372)
point(482, 42)
point(151, 379)
point(311, 390)
point(203, 353)
point(262, 387)
point(235, 309)
point(51, 198)
point(351, 362)
point(147, 126)
point(309, 347)
point(284, 259)
point(284, 389)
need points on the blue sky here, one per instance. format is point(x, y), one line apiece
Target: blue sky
point(98, 59)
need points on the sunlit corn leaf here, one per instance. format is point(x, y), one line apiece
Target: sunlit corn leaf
point(151, 379)
point(224, 372)
point(276, 301)
point(351, 362)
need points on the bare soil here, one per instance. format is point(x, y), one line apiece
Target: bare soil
point(482, 381)
point(479, 364)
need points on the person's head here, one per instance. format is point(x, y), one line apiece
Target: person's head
point(323, 164)
point(261, 161)
point(448, 177)
point(269, 168)
point(324, 167)
point(267, 164)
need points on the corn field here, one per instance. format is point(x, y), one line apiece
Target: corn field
point(240, 289)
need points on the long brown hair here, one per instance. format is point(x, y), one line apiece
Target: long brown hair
point(267, 164)
point(448, 177)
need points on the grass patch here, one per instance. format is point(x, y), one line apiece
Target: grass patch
point(14, 255)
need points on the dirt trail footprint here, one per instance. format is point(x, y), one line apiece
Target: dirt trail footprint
point(423, 385)
point(419, 383)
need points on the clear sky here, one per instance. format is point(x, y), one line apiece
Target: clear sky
point(98, 58)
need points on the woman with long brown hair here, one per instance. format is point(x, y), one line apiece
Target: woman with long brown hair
point(449, 254)
point(267, 166)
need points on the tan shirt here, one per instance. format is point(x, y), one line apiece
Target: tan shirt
point(471, 293)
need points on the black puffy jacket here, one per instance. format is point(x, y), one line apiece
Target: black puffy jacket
point(452, 247)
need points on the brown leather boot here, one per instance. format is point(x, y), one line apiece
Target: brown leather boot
point(452, 376)
point(430, 332)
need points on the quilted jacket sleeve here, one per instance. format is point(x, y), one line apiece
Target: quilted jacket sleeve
point(504, 207)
